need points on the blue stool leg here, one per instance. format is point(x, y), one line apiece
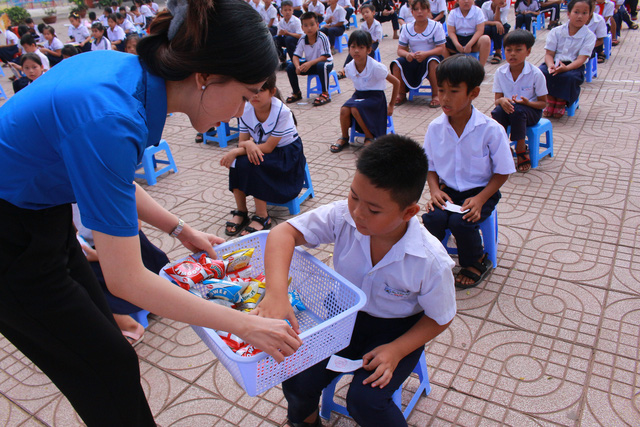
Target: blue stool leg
point(328, 404)
point(489, 228)
point(148, 161)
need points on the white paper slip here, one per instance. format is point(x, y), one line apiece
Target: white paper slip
point(340, 364)
point(454, 208)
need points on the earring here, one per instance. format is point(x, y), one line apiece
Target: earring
point(203, 87)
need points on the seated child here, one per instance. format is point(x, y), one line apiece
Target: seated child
point(104, 18)
point(496, 27)
point(469, 160)
point(100, 42)
point(381, 248)
point(420, 50)
point(439, 11)
point(316, 7)
point(297, 8)
point(568, 48)
point(289, 32)
point(520, 92)
point(131, 43)
point(404, 14)
point(52, 45)
point(31, 66)
point(68, 51)
point(386, 11)
point(92, 17)
point(115, 34)
point(368, 105)
point(621, 15)
point(29, 45)
point(124, 23)
point(78, 33)
point(606, 9)
point(269, 15)
point(347, 5)
point(466, 31)
point(312, 56)
point(269, 162)
point(10, 48)
point(598, 27)
point(553, 8)
point(334, 21)
point(138, 19)
point(371, 26)
point(526, 12)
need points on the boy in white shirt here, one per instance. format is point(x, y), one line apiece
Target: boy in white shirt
point(348, 7)
point(29, 45)
point(520, 92)
point(382, 249)
point(466, 31)
point(335, 21)
point(289, 32)
point(126, 25)
point(439, 10)
point(606, 9)
point(315, 6)
point(269, 15)
point(598, 27)
point(496, 27)
point(469, 160)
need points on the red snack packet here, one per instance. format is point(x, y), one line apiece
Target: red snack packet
point(234, 342)
point(248, 350)
point(214, 267)
point(187, 273)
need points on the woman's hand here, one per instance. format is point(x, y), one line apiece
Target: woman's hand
point(274, 337)
point(197, 241)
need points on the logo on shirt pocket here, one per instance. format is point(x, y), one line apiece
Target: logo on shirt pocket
point(398, 293)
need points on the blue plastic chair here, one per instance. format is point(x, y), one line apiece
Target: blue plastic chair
point(342, 42)
point(314, 87)
point(474, 54)
point(424, 90)
point(223, 134)
point(294, 204)
point(607, 46)
point(489, 229)
point(141, 317)
point(2, 94)
point(493, 51)
point(534, 26)
point(328, 404)
point(354, 133)
point(534, 133)
point(571, 109)
point(150, 163)
point(376, 55)
point(591, 69)
point(353, 21)
point(540, 21)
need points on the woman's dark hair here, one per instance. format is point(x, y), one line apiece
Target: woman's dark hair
point(459, 69)
point(424, 3)
point(518, 37)
point(30, 57)
point(360, 38)
point(224, 37)
point(572, 3)
point(50, 29)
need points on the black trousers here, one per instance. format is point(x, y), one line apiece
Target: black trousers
point(53, 310)
point(522, 116)
point(393, 18)
point(322, 69)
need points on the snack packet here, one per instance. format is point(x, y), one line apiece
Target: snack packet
point(186, 273)
point(233, 341)
point(296, 302)
point(238, 260)
point(224, 289)
point(252, 295)
point(248, 350)
point(216, 268)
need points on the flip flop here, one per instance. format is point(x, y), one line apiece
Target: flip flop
point(336, 148)
point(134, 338)
point(559, 111)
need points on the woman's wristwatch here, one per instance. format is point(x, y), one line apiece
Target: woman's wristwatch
point(178, 229)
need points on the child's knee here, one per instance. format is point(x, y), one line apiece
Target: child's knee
point(458, 225)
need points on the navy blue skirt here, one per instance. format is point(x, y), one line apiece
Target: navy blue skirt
point(564, 85)
point(277, 179)
point(372, 106)
point(414, 72)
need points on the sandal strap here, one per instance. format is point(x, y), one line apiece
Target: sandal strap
point(470, 274)
point(261, 220)
point(242, 214)
point(483, 265)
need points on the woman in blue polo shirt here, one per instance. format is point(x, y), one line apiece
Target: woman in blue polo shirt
point(77, 137)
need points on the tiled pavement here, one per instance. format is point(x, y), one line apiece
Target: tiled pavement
point(551, 338)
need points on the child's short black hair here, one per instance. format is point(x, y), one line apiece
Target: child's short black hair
point(28, 21)
point(22, 30)
point(108, 10)
point(308, 15)
point(368, 6)
point(286, 3)
point(27, 40)
point(97, 26)
point(30, 57)
point(518, 37)
point(398, 164)
point(69, 50)
point(458, 69)
point(41, 27)
point(424, 3)
point(360, 38)
point(133, 8)
point(572, 3)
point(113, 17)
point(92, 16)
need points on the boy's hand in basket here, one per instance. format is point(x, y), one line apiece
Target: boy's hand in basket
point(277, 308)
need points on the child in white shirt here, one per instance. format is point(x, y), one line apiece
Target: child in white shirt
point(115, 34)
point(52, 46)
point(469, 160)
point(100, 42)
point(78, 33)
point(289, 31)
point(269, 15)
point(439, 10)
point(334, 21)
point(10, 48)
point(598, 27)
point(466, 31)
point(126, 25)
point(316, 7)
point(496, 26)
point(404, 15)
point(526, 12)
point(371, 26)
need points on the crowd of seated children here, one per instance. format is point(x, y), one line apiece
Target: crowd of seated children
point(78, 33)
point(386, 11)
point(496, 26)
point(520, 91)
point(465, 25)
point(598, 27)
point(469, 160)
point(568, 48)
point(31, 66)
point(371, 26)
point(368, 106)
point(269, 162)
point(335, 21)
point(420, 49)
point(312, 56)
point(315, 6)
point(289, 32)
point(527, 11)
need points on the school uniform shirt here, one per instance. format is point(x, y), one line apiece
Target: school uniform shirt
point(523, 7)
point(568, 48)
point(468, 161)
point(345, 4)
point(309, 52)
point(438, 6)
point(104, 21)
point(11, 38)
point(605, 9)
point(414, 276)
point(54, 45)
point(530, 84)
point(139, 20)
point(405, 14)
point(293, 26)
point(466, 25)
point(116, 34)
point(103, 44)
point(317, 8)
point(45, 61)
point(269, 14)
point(431, 37)
point(373, 77)
point(79, 34)
point(338, 14)
point(489, 15)
point(279, 124)
point(154, 8)
point(375, 30)
point(297, 3)
point(83, 154)
point(257, 7)
point(127, 26)
point(598, 26)
point(146, 11)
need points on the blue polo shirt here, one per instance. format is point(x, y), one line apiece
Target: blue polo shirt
point(77, 134)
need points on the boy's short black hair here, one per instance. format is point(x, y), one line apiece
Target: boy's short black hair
point(286, 3)
point(27, 39)
point(360, 38)
point(41, 27)
point(458, 69)
point(398, 164)
point(28, 21)
point(92, 15)
point(308, 15)
point(518, 37)
point(69, 50)
point(369, 6)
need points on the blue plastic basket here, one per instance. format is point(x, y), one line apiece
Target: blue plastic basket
point(332, 305)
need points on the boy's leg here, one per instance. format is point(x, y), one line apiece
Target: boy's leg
point(500, 116)
point(497, 41)
point(293, 78)
point(303, 391)
point(356, 115)
point(290, 43)
point(436, 222)
point(327, 33)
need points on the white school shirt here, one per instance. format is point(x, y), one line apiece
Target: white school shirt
point(532, 7)
point(293, 26)
point(438, 6)
point(298, 3)
point(104, 21)
point(127, 26)
point(116, 34)
point(530, 84)
point(414, 276)
point(54, 45)
point(79, 34)
point(605, 10)
point(598, 26)
point(146, 11)
point(375, 30)
point(140, 20)
point(317, 9)
point(405, 14)
point(568, 48)
point(268, 14)
point(373, 77)
point(345, 4)
point(468, 161)
point(154, 7)
point(256, 7)
point(465, 25)
point(309, 52)
point(431, 37)
point(104, 44)
point(279, 124)
point(338, 14)
point(11, 38)
point(45, 61)
point(489, 15)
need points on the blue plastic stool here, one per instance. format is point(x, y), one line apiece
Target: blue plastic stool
point(354, 133)
point(313, 84)
point(474, 54)
point(294, 204)
point(540, 21)
point(328, 404)
point(493, 51)
point(141, 317)
point(534, 133)
point(376, 55)
point(533, 28)
point(224, 133)
point(489, 229)
point(340, 44)
point(150, 163)
point(2, 94)
point(353, 21)
point(591, 69)
point(607, 46)
point(571, 109)
point(424, 90)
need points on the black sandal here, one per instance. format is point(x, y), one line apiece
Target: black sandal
point(341, 75)
point(336, 148)
point(496, 59)
point(484, 267)
point(523, 160)
point(294, 97)
point(266, 224)
point(235, 227)
point(199, 138)
point(601, 58)
point(321, 100)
